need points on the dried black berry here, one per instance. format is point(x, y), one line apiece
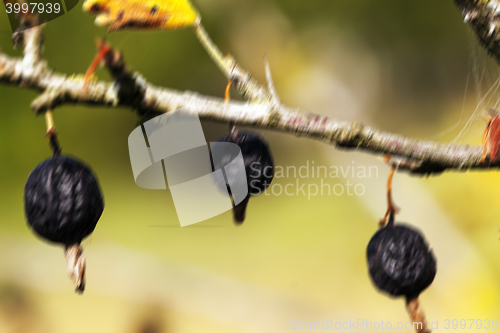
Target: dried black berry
point(63, 203)
point(400, 261)
point(259, 166)
point(62, 200)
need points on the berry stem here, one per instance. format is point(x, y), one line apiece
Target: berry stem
point(227, 94)
point(417, 315)
point(49, 120)
point(76, 266)
point(51, 133)
point(54, 143)
point(391, 208)
point(227, 97)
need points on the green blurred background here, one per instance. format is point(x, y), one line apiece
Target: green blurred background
point(409, 67)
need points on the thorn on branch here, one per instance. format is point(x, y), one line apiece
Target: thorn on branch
point(270, 82)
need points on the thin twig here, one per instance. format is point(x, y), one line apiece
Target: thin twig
point(246, 86)
point(224, 63)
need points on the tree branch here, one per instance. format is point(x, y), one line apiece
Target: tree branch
point(484, 17)
point(132, 91)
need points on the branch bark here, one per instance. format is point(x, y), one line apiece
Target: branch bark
point(484, 17)
point(133, 91)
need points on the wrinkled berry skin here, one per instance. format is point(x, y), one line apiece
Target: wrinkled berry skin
point(400, 261)
point(259, 165)
point(62, 200)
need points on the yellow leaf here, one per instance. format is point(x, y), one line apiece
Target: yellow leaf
point(142, 14)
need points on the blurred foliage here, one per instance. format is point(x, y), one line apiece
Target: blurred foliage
point(402, 66)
